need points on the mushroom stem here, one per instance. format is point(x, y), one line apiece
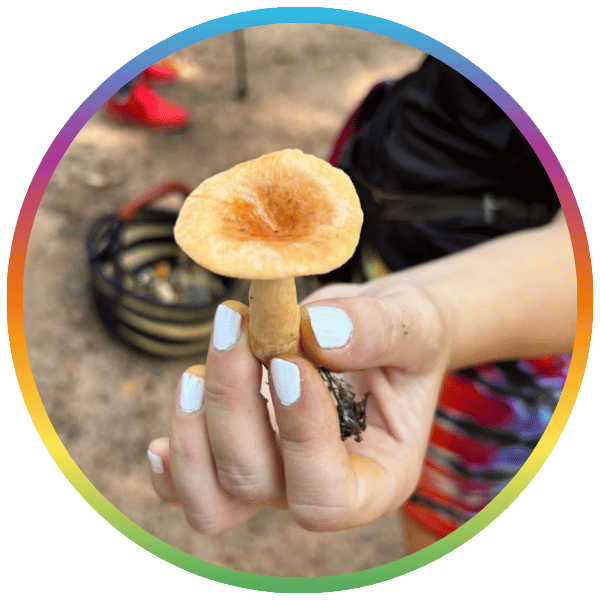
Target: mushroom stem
point(274, 318)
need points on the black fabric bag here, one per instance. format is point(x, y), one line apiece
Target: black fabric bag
point(438, 167)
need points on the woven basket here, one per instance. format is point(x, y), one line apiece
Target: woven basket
point(125, 246)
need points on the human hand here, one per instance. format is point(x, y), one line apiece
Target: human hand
point(231, 452)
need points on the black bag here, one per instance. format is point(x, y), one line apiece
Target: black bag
point(438, 167)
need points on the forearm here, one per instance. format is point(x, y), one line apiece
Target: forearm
point(512, 297)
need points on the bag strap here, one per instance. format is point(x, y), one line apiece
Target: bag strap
point(402, 206)
point(130, 209)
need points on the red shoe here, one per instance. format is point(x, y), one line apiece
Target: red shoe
point(146, 107)
point(161, 73)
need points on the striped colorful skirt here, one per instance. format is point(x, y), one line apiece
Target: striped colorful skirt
point(488, 421)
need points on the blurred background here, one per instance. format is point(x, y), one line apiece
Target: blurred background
point(107, 401)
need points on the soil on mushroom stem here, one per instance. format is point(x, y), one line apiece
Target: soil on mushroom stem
point(352, 414)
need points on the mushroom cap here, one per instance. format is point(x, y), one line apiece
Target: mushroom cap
point(284, 214)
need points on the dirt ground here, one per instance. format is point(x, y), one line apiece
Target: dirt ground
point(107, 402)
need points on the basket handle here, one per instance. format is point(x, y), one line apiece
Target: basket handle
point(131, 208)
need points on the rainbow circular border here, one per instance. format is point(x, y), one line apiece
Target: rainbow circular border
point(225, 25)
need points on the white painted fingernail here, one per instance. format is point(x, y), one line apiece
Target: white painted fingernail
point(191, 393)
point(331, 325)
point(156, 463)
point(226, 330)
point(286, 381)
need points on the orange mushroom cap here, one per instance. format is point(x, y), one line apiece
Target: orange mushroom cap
point(285, 214)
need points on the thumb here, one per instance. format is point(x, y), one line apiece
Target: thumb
point(404, 330)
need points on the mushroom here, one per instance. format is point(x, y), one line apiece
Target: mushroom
point(280, 216)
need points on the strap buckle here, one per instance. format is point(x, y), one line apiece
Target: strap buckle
point(491, 205)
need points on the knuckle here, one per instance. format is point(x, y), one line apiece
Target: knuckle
point(391, 326)
point(251, 486)
point(383, 334)
point(410, 318)
point(302, 435)
point(181, 451)
point(428, 326)
point(326, 504)
point(219, 391)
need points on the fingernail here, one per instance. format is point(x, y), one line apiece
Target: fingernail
point(331, 325)
point(156, 463)
point(191, 393)
point(226, 330)
point(286, 381)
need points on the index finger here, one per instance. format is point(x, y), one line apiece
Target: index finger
point(327, 488)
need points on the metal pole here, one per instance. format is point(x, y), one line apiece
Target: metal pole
point(241, 70)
